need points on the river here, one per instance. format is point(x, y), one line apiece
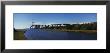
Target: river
point(40, 34)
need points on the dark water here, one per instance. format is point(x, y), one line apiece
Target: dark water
point(38, 34)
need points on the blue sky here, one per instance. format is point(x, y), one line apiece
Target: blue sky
point(24, 20)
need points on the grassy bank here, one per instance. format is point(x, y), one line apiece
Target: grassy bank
point(80, 31)
point(87, 31)
point(19, 35)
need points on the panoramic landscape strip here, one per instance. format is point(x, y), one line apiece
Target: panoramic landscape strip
point(55, 26)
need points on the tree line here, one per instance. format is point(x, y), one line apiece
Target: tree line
point(86, 26)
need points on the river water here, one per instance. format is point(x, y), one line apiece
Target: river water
point(40, 34)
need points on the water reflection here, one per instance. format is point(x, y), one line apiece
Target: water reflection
point(42, 34)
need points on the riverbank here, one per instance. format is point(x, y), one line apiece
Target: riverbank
point(19, 35)
point(85, 31)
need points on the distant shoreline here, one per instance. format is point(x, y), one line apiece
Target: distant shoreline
point(64, 30)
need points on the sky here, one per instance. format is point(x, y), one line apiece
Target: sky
point(24, 20)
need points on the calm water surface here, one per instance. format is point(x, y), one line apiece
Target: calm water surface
point(41, 34)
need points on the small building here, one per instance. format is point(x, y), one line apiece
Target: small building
point(35, 26)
